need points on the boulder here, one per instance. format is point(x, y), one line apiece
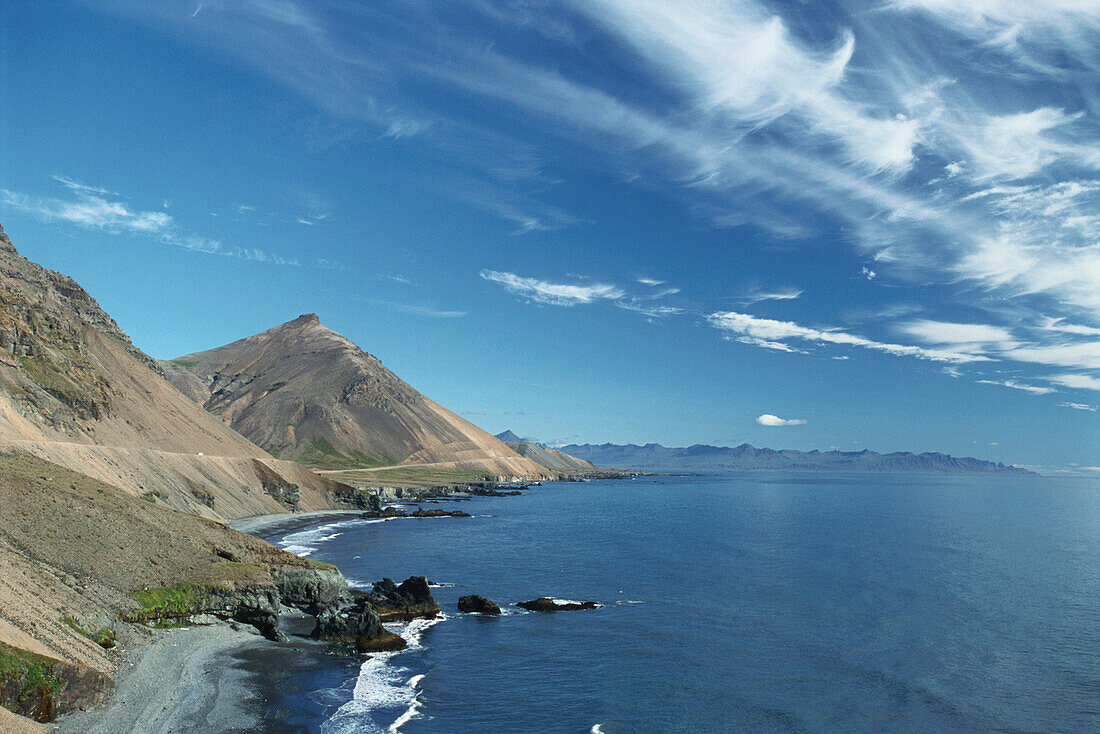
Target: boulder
point(412, 599)
point(354, 622)
point(546, 604)
point(474, 604)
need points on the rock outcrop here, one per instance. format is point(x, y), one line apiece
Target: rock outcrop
point(412, 599)
point(546, 604)
point(353, 621)
point(474, 604)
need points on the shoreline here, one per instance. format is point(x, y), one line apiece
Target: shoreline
point(221, 677)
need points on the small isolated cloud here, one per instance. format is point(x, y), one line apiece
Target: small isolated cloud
point(773, 421)
point(421, 310)
point(1033, 389)
point(776, 294)
point(867, 273)
point(650, 281)
point(1078, 406)
point(306, 221)
point(553, 294)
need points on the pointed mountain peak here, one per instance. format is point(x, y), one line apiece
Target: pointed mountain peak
point(509, 437)
point(304, 319)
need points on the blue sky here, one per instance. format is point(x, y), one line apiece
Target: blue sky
point(804, 225)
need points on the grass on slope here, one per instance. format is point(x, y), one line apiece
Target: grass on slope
point(321, 454)
point(27, 675)
point(98, 533)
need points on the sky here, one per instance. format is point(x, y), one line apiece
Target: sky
point(812, 225)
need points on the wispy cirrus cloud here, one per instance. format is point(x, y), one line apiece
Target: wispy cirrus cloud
point(1033, 389)
point(774, 334)
point(575, 294)
point(554, 294)
point(97, 208)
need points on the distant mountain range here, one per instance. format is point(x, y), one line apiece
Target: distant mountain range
point(703, 458)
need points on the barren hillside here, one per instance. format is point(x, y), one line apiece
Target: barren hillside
point(75, 391)
point(302, 391)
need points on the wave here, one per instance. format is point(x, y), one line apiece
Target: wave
point(596, 729)
point(383, 686)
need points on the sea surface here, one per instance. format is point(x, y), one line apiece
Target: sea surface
point(734, 603)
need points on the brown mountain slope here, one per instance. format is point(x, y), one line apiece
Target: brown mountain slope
point(552, 458)
point(74, 390)
point(302, 391)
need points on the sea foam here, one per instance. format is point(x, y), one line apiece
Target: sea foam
point(383, 686)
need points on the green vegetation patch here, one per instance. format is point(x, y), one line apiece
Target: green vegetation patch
point(25, 675)
point(185, 363)
point(320, 453)
point(168, 606)
point(320, 565)
point(104, 638)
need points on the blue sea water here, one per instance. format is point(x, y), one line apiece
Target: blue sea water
point(735, 603)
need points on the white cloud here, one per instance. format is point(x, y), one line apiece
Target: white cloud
point(1077, 382)
point(90, 210)
point(1078, 406)
point(772, 334)
point(960, 337)
point(650, 281)
point(757, 295)
point(774, 421)
point(1033, 389)
point(422, 310)
point(554, 294)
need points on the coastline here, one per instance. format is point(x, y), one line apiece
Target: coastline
point(215, 678)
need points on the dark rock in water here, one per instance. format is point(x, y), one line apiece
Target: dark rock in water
point(353, 621)
point(412, 599)
point(439, 513)
point(546, 604)
point(474, 604)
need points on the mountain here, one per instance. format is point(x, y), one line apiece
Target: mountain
point(75, 391)
point(550, 458)
point(302, 391)
point(703, 458)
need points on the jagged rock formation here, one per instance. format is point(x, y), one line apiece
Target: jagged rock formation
point(74, 390)
point(302, 391)
point(702, 458)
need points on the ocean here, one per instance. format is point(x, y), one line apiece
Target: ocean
point(735, 603)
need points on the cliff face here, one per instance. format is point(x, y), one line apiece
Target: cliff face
point(74, 390)
point(302, 391)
